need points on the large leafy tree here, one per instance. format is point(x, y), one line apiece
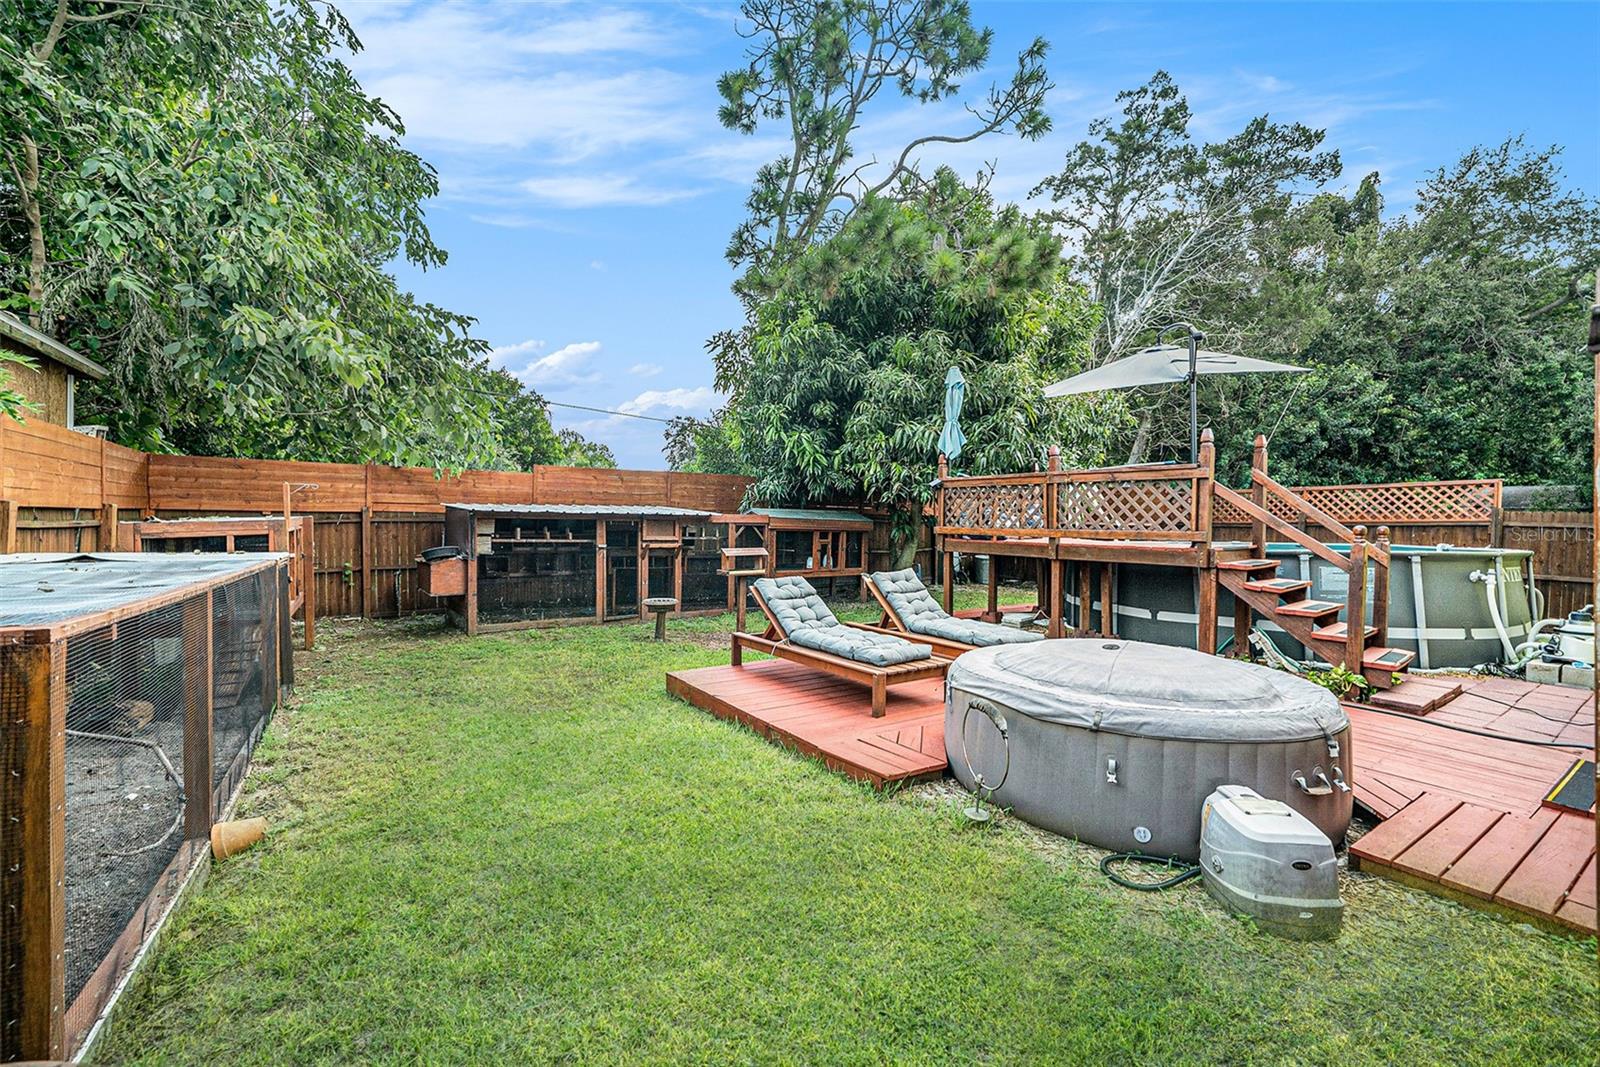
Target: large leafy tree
point(1446, 343)
point(200, 195)
point(579, 451)
point(1162, 227)
point(813, 67)
point(704, 446)
point(839, 383)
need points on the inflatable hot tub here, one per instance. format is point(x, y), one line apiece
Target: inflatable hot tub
point(1118, 743)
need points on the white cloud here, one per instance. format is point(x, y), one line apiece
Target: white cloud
point(573, 113)
point(602, 190)
point(467, 38)
point(511, 220)
point(597, 264)
point(504, 354)
point(645, 370)
point(567, 365)
point(653, 400)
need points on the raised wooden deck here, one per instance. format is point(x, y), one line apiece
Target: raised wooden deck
point(826, 717)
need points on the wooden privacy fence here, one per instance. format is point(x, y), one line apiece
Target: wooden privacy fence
point(371, 521)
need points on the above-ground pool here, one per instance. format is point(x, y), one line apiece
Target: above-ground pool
point(1435, 609)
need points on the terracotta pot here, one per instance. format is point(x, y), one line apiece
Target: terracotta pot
point(232, 838)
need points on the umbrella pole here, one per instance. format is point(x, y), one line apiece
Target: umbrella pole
point(1194, 396)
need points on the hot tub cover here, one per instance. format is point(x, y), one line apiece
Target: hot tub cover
point(1145, 690)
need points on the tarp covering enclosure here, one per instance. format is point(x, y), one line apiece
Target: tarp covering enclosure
point(36, 590)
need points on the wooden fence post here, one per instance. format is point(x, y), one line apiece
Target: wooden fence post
point(308, 577)
point(108, 529)
point(198, 647)
point(368, 592)
point(8, 526)
point(33, 910)
point(1497, 527)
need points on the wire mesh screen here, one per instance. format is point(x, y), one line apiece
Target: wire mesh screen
point(539, 582)
point(535, 567)
point(124, 774)
point(242, 684)
point(703, 585)
point(211, 543)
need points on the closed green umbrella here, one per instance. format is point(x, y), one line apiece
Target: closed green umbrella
point(955, 391)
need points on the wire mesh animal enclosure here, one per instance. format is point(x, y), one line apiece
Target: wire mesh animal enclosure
point(133, 691)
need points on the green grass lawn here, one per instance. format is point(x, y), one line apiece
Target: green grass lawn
point(518, 848)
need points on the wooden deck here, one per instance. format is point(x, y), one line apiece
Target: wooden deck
point(1539, 866)
point(827, 717)
point(1464, 814)
point(1399, 758)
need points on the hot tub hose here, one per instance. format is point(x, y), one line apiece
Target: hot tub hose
point(1185, 871)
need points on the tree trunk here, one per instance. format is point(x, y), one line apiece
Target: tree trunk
point(36, 252)
point(1141, 440)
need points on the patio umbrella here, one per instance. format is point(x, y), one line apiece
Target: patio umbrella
point(1165, 365)
point(955, 391)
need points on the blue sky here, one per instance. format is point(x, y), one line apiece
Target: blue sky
point(588, 190)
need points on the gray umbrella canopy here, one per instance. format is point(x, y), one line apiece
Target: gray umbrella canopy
point(1163, 365)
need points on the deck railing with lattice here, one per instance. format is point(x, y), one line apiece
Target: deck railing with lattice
point(1464, 502)
point(1147, 502)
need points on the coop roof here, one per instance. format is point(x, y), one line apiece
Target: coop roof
point(45, 345)
point(642, 511)
point(45, 589)
point(820, 516)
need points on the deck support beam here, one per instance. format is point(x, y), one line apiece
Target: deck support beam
point(1057, 600)
point(1206, 601)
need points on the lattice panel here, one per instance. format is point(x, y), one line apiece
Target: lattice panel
point(1395, 503)
point(995, 507)
point(1410, 502)
point(1225, 514)
point(1132, 507)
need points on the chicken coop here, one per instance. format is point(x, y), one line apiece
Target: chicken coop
point(239, 533)
point(133, 689)
point(509, 566)
point(815, 543)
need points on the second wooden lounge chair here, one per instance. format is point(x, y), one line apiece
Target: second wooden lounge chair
point(801, 629)
point(909, 610)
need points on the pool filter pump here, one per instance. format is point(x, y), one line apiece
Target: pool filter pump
point(1263, 859)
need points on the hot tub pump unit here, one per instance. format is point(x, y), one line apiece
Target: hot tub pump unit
point(1262, 858)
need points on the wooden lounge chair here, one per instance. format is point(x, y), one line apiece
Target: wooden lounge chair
point(910, 611)
point(801, 629)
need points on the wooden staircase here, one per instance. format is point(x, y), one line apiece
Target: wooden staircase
point(1358, 643)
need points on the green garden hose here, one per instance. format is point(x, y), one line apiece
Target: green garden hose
point(1186, 871)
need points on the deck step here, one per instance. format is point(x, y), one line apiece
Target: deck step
point(1338, 631)
point(1389, 660)
point(1277, 586)
point(1418, 696)
point(1249, 565)
point(1310, 609)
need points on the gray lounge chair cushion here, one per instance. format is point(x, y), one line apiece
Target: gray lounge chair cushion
point(919, 613)
point(806, 621)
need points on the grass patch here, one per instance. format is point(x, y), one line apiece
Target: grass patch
point(518, 848)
